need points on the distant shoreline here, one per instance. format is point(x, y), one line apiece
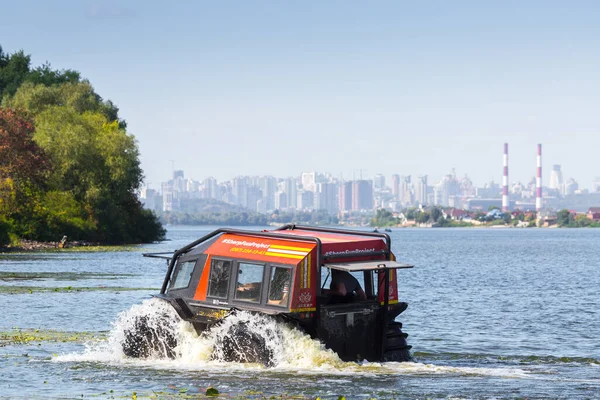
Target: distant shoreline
point(27, 246)
point(31, 246)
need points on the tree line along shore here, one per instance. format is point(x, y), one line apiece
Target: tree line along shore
point(68, 166)
point(224, 214)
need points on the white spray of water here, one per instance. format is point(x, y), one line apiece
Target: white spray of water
point(292, 350)
point(289, 347)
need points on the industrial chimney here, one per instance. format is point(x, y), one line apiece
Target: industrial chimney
point(505, 180)
point(538, 180)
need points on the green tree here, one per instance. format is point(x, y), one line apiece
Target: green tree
point(90, 190)
point(4, 232)
point(423, 217)
point(46, 76)
point(383, 217)
point(14, 68)
point(410, 213)
point(436, 214)
point(479, 216)
point(79, 97)
point(23, 170)
point(98, 162)
point(582, 221)
point(565, 218)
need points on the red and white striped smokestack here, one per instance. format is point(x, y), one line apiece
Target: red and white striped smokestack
point(505, 180)
point(538, 180)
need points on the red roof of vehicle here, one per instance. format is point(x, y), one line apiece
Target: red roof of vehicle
point(338, 243)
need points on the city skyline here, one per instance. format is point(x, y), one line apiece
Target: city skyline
point(314, 190)
point(336, 86)
point(548, 179)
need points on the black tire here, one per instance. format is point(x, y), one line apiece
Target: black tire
point(394, 328)
point(142, 340)
point(240, 344)
point(396, 341)
point(396, 347)
point(398, 355)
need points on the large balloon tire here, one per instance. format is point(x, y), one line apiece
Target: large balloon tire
point(397, 349)
point(240, 344)
point(398, 355)
point(142, 340)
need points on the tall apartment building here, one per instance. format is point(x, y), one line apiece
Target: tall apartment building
point(556, 178)
point(240, 191)
point(306, 200)
point(326, 197)
point(396, 186)
point(166, 188)
point(379, 182)
point(281, 202)
point(421, 190)
point(345, 196)
point(570, 187)
point(268, 185)
point(211, 188)
point(362, 195)
point(596, 184)
point(446, 189)
point(291, 190)
point(253, 195)
point(309, 181)
point(405, 191)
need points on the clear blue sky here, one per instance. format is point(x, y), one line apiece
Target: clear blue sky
point(279, 87)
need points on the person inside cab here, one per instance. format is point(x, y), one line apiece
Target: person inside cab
point(345, 288)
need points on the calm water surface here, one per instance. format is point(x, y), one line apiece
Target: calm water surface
point(493, 313)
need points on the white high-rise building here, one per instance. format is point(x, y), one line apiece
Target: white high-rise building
point(404, 194)
point(556, 179)
point(212, 188)
point(240, 191)
point(570, 187)
point(281, 201)
point(396, 187)
point(291, 190)
point(309, 181)
point(596, 184)
point(268, 185)
point(379, 182)
point(421, 190)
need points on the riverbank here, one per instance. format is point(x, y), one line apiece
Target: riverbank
point(31, 246)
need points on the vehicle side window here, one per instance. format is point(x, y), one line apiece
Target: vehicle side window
point(279, 286)
point(249, 282)
point(184, 274)
point(218, 285)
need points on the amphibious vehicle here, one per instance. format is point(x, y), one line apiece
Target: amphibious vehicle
point(283, 273)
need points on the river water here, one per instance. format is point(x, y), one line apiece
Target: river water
point(493, 314)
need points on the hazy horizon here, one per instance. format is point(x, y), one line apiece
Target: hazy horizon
point(249, 88)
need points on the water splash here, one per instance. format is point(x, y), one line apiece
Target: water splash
point(292, 350)
point(288, 347)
